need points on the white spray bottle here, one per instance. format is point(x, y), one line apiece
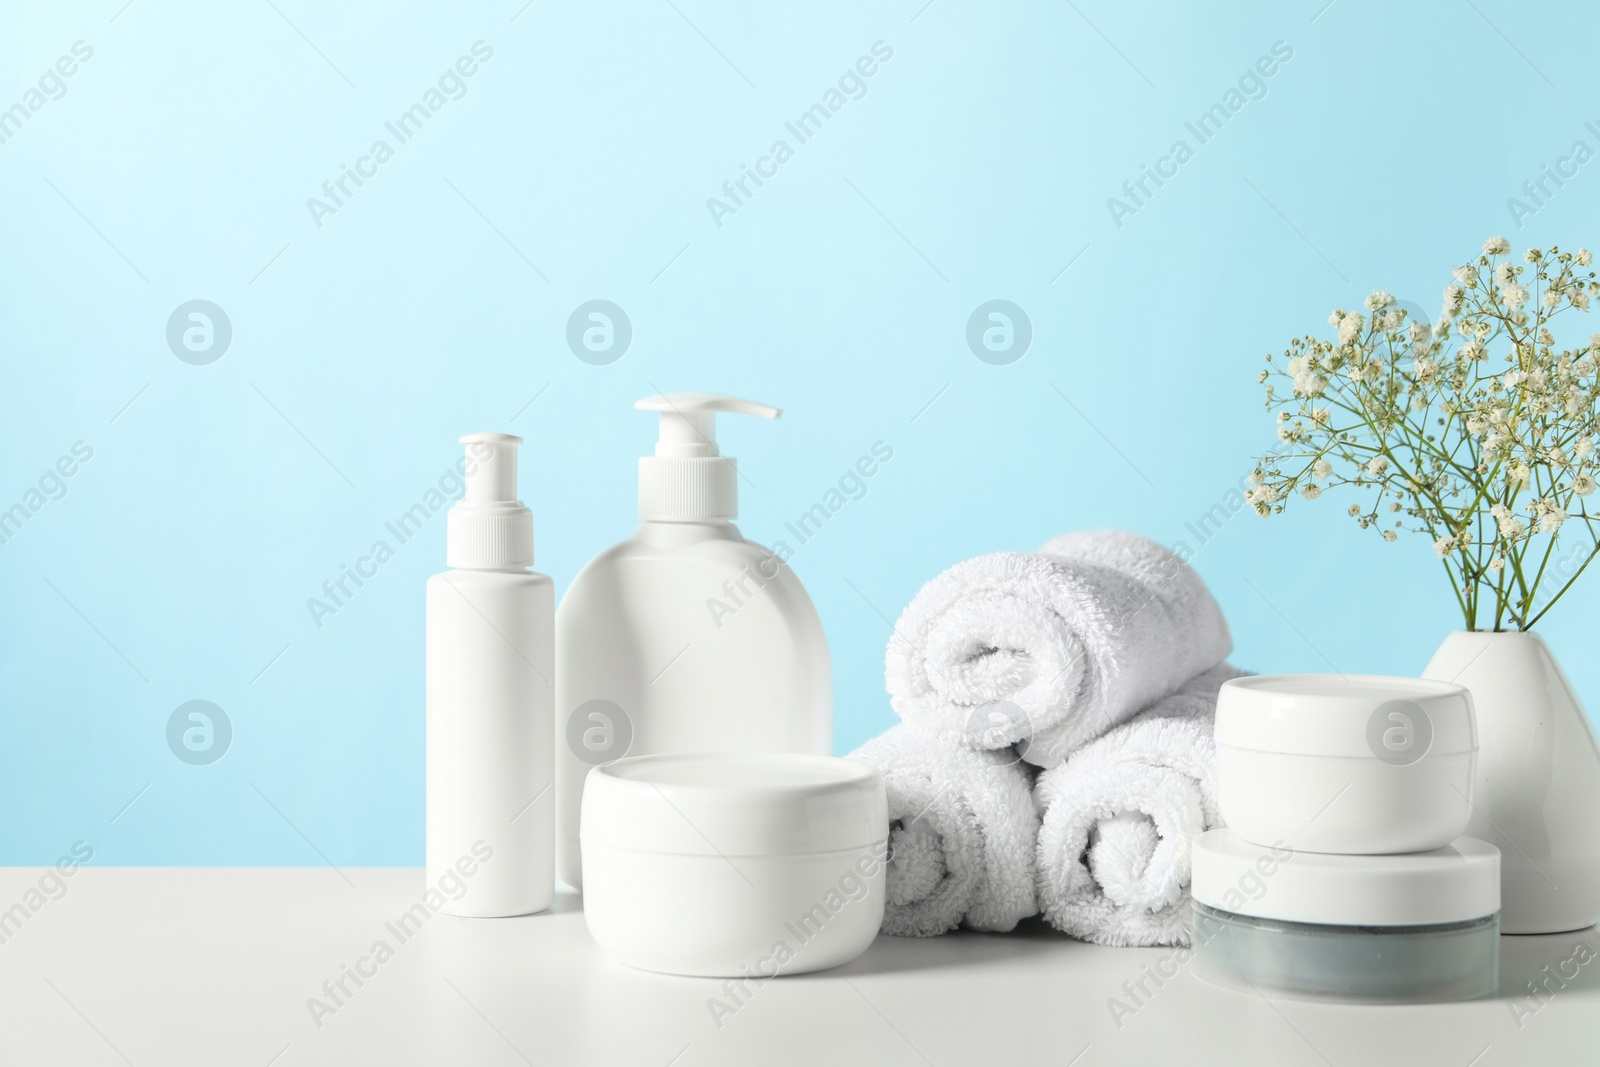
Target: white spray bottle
point(686, 637)
point(491, 626)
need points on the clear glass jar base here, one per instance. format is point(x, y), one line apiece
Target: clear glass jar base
point(1382, 964)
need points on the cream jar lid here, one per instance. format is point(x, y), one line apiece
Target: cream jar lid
point(1344, 714)
point(1457, 883)
point(734, 804)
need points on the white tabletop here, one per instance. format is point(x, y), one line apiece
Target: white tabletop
point(168, 966)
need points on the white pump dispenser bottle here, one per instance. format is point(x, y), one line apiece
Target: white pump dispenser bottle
point(686, 637)
point(491, 647)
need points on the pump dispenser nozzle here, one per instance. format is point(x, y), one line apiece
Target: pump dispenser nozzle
point(489, 526)
point(688, 480)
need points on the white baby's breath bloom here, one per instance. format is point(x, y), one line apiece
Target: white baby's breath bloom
point(1321, 469)
point(1583, 484)
point(1353, 510)
point(1320, 416)
point(1500, 512)
point(1582, 447)
point(1580, 300)
point(1391, 319)
point(1310, 491)
point(1424, 369)
point(1517, 473)
point(1389, 535)
point(1378, 464)
point(1349, 326)
point(1466, 274)
point(1442, 547)
point(1550, 298)
point(1505, 274)
point(1419, 331)
point(1262, 494)
point(1551, 518)
point(1531, 255)
point(1379, 299)
point(1583, 259)
point(1496, 563)
point(1496, 246)
point(1513, 295)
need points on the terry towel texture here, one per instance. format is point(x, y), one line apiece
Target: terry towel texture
point(1119, 817)
point(962, 828)
point(1048, 650)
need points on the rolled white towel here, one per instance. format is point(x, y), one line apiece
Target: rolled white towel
point(1048, 650)
point(1119, 818)
point(962, 827)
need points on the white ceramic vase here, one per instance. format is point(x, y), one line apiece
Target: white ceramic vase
point(1537, 794)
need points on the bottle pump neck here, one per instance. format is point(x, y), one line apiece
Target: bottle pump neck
point(688, 479)
point(489, 527)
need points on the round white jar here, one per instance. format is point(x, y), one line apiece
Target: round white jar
point(734, 864)
point(1353, 764)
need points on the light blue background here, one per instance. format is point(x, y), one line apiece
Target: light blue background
point(977, 166)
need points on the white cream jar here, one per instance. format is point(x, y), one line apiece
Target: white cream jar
point(734, 864)
point(1353, 764)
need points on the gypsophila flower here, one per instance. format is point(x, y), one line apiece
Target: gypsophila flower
point(1491, 454)
point(1349, 326)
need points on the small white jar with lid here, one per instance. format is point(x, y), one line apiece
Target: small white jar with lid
point(734, 864)
point(1353, 764)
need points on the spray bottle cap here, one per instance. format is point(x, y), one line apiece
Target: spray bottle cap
point(489, 526)
point(688, 480)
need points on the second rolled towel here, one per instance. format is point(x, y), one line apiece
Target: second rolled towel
point(1119, 817)
point(962, 833)
point(1048, 650)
